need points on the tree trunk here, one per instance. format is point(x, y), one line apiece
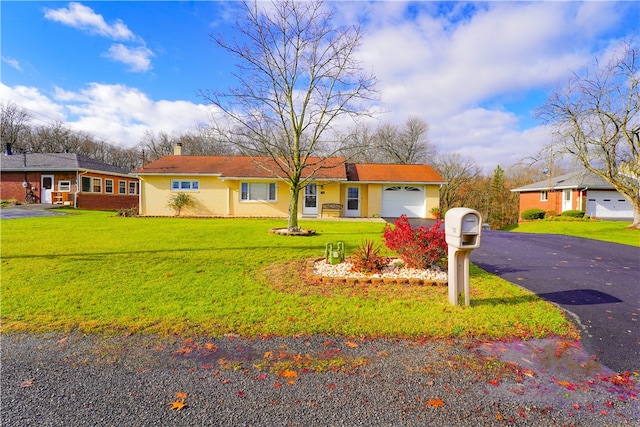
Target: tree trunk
point(636, 217)
point(294, 191)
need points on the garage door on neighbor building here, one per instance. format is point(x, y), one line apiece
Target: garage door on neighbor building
point(608, 204)
point(406, 200)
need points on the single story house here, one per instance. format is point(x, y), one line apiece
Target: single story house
point(240, 186)
point(582, 190)
point(67, 179)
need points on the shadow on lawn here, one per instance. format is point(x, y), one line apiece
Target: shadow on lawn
point(90, 255)
point(569, 297)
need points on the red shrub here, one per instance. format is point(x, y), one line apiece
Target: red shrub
point(420, 247)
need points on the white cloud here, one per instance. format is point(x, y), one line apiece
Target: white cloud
point(34, 101)
point(138, 58)
point(455, 65)
point(13, 63)
point(84, 18)
point(117, 113)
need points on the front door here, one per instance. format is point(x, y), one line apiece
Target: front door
point(353, 202)
point(46, 187)
point(310, 206)
point(566, 200)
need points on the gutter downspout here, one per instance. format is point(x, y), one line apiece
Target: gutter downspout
point(78, 187)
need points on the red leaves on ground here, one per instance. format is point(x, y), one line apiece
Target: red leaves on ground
point(435, 403)
point(179, 403)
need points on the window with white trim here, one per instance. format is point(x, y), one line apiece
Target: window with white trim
point(185, 185)
point(91, 185)
point(133, 187)
point(258, 191)
point(544, 195)
point(64, 186)
point(108, 186)
point(122, 187)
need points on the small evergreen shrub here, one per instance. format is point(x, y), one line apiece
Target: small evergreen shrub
point(367, 258)
point(180, 201)
point(533, 213)
point(421, 248)
point(573, 214)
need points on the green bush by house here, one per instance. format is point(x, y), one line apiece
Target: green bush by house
point(573, 214)
point(534, 213)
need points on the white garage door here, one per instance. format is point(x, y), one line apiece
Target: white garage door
point(608, 204)
point(406, 200)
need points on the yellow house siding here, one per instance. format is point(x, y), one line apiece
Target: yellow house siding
point(432, 199)
point(251, 208)
point(374, 200)
point(209, 198)
point(329, 192)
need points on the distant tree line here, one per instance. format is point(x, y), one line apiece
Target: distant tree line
point(466, 185)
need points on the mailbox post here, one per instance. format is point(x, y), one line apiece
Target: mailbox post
point(462, 234)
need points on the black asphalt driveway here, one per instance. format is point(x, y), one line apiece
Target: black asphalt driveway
point(596, 283)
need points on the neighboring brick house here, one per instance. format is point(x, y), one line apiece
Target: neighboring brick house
point(581, 190)
point(244, 187)
point(67, 179)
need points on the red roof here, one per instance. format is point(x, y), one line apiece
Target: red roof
point(241, 167)
point(332, 168)
point(393, 173)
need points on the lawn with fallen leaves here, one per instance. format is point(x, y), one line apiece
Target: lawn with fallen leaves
point(94, 272)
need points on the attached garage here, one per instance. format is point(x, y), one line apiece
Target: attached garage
point(608, 204)
point(409, 200)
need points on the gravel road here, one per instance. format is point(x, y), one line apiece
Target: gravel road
point(75, 380)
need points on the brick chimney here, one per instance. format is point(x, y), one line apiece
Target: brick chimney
point(177, 150)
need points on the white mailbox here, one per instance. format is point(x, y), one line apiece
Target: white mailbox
point(463, 227)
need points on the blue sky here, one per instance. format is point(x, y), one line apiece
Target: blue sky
point(474, 71)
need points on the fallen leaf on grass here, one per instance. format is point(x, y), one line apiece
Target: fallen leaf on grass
point(288, 374)
point(435, 403)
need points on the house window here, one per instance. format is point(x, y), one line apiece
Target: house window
point(258, 191)
point(412, 188)
point(64, 186)
point(122, 187)
point(91, 185)
point(108, 186)
point(133, 187)
point(184, 185)
point(544, 196)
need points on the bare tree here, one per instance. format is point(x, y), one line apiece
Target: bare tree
point(457, 171)
point(596, 119)
point(409, 145)
point(14, 124)
point(297, 77)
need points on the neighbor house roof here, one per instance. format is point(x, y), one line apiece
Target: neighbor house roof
point(240, 167)
point(56, 162)
point(581, 180)
point(393, 173)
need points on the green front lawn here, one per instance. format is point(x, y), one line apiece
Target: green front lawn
point(608, 231)
point(96, 272)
